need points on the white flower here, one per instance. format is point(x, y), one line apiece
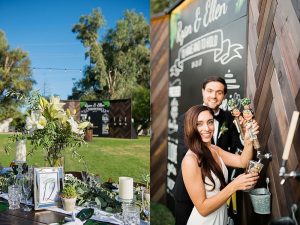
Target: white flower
point(74, 126)
point(68, 176)
point(55, 101)
point(35, 122)
point(84, 125)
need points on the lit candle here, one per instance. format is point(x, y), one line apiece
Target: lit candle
point(126, 188)
point(21, 151)
point(290, 136)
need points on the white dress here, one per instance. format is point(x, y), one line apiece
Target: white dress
point(218, 217)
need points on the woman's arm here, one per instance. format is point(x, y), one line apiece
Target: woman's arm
point(192, 178)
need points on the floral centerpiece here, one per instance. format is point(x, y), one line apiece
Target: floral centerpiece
point(52, 128)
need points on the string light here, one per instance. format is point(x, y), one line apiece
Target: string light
point(52, 69)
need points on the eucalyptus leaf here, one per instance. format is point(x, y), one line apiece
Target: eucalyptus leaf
point(98, 201)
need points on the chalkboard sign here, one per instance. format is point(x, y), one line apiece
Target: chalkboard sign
point(110, 118)
point(207, 38)
point(97, 112)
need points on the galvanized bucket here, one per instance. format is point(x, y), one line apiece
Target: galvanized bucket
point(261, 200)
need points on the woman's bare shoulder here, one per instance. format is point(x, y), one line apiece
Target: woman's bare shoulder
point(216, 148)
point(190, 158)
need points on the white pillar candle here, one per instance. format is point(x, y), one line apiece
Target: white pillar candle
point(21, 151)
point(126, 188)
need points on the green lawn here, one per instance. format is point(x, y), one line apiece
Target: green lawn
point(108, 157)
point(161, 215)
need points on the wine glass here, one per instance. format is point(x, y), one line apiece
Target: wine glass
point(26, 189)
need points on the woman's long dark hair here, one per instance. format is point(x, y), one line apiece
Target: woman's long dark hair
point(194, 141)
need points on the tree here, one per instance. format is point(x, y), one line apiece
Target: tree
point(15, 76)
point(141, 108)
point(87, 33)
point(119, 62)
point(158, 6)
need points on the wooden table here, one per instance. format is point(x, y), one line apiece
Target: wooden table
point(19, 217)
point(40, 217)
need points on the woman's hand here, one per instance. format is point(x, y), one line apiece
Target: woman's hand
point(245, 181)
point(253, 126)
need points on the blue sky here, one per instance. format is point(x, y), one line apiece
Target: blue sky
point(43, 29)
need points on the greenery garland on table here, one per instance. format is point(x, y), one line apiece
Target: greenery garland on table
point(92, 190)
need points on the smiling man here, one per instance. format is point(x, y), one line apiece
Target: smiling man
point(225, 135)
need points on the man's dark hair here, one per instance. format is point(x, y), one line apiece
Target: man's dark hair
point(215, 79)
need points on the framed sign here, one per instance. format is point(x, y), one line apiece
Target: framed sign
point(48, 182)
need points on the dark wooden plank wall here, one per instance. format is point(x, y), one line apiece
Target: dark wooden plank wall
point(273, 83)
point(159, 35)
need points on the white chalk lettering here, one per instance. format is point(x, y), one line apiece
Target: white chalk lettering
point(182, 32)
point(171, 169)
point(200, 45)
point(172, 152)
point(170, 183)
point(213, 11)
point(196, 63)
point(198, 19)
point(224, 50)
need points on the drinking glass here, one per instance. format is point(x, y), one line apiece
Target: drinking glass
point(131, 214)
point(26, 188)
point(254, 167)
point(14, 196)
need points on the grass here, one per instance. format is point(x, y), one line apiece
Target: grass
point(108, 157)
point(161, 215)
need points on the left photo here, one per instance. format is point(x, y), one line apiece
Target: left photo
point(74, 112)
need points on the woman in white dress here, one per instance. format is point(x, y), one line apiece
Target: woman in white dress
point(204, 169)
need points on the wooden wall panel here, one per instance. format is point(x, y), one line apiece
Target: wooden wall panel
point(159, 35)
point(277, 76)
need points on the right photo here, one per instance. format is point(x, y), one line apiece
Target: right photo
point(225, 102)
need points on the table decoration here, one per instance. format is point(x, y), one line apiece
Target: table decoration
point(52, 128)
point(14, 196)
point(27, 184)
point(126, 188)
point(131, 214)
point(6, 179)
point(94, 190)
point(68, 197)
point(48, 183)
point(21, 151)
